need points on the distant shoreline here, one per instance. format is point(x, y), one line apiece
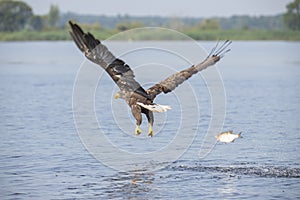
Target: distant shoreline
point(243, 35)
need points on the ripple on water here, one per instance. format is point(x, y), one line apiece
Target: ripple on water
point(243, 169)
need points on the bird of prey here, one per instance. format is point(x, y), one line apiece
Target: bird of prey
point(139, 100)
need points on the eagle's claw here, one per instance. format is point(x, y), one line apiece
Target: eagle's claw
point(137, 131)
point(150, 131)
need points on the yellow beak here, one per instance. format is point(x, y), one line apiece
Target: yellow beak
point(117, 95)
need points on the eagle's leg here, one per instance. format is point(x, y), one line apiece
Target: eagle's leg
point(138, 130)
point(150, 118)
point(150, 130)
point(137, 113)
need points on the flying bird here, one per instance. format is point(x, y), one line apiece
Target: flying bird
point(138, 99)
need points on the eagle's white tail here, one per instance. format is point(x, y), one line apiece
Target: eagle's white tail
point(155, 107)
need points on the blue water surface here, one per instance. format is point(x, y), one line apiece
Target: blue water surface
point(43, 157)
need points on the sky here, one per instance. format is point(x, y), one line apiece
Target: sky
point(176, 8)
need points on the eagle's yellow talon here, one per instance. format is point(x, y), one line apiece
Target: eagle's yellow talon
point(137, 131)
point(150, 131)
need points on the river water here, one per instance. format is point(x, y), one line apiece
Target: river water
point(45, 153)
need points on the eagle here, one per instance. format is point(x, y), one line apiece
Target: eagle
point(138, 99)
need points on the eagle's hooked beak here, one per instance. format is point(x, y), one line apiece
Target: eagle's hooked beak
point(117, 95)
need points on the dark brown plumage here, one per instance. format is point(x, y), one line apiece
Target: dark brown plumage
point(139, 100)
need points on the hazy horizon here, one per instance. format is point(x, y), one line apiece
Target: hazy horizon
point(187, 8)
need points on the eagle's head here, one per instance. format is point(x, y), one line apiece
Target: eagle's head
point(120, 94)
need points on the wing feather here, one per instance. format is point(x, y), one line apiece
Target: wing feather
point(173, 81)
point(98, 53)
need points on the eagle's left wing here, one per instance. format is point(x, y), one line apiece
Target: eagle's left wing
point(98, 53)
point(178, 78)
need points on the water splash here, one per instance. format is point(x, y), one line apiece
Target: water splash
point(242, 169)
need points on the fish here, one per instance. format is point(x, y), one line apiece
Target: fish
point(227, 136)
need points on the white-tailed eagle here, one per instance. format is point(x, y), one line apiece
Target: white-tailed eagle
point(139, 100)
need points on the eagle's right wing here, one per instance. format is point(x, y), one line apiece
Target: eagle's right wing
point(170, 83)
point(98, 53)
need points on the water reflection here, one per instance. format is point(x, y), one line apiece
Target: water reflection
point(228, 187)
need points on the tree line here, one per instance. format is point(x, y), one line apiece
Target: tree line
point(17, 15)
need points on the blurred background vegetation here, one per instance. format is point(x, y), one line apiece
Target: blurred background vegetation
point(18, 22)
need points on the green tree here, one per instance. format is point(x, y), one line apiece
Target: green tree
point(37, 22)
point(292, 16)
point(209, 24)
point(176, 23)
point(129, 25)
point(53, 16)
point(14, 15)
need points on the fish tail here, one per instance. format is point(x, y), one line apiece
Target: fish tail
point(239, 135)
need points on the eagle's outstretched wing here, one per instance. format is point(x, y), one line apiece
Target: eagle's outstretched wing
point(98, 53)
point(176, 79)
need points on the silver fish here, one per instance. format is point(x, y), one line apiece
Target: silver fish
point(227, 136)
